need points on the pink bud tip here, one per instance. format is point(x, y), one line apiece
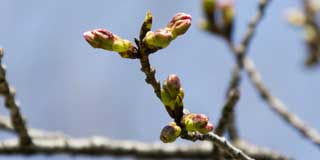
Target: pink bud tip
point(174, 81)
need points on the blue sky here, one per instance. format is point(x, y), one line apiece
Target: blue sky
point(63, 84)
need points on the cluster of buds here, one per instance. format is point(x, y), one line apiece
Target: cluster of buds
point(172, 96)
point(190, 122)
point(219, 17)
point(161, 38)
point(104, 39)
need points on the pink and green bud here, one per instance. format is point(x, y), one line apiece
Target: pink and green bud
point(172, 93)
point(179, 24)
point(172, 85)
point(208, 128)
point(170, 133)
point(101, 38)
point(161, 38)
point(194, 122)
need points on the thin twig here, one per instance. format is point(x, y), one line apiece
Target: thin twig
point(8, 93)
point(278, 106)
point(221, 142)
point(149, 71)
point(227, 112)
point(249, 34)
point(259, 152)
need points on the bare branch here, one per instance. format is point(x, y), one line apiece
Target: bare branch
point(278, 106)
point(244, 44)
point(8, 93)
point(99, 146)
point(258, 152)
point(150, 73)
point(220, 142)
point(50, 143)
point(227, 112)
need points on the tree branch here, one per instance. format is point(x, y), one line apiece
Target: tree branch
point(278, 106)
point(8, 93)
point(227, 112)
point(52, 143)
point(99, 146)
point(220, 142)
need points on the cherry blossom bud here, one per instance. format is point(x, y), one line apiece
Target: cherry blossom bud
point(101, 38)
point(194, 122)
point(161, 38)
point(172, 85)
point(208, 128)
point(172, 95)
point(179, 24)
point(170, 133)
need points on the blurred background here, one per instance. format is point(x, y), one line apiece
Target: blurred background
point(65, 85)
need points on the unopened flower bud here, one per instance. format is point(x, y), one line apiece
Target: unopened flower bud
point(170, 133)
point(208, 128)
point(179, 24)
point(194, 122)
point(101, 38)
point(161, 38)
point(167, 100)
point(172, 85)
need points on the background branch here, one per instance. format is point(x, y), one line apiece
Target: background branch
point(52, 143)
point(278, 106)
point(8, 93)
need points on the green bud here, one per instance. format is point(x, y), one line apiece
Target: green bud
point(194, 122)
point(167, 100)
point(179, 24)
point(179, 98)
point(161, 38)
point(170, 133)
point(147, 24)
point(121, 45)
point(208, 128)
